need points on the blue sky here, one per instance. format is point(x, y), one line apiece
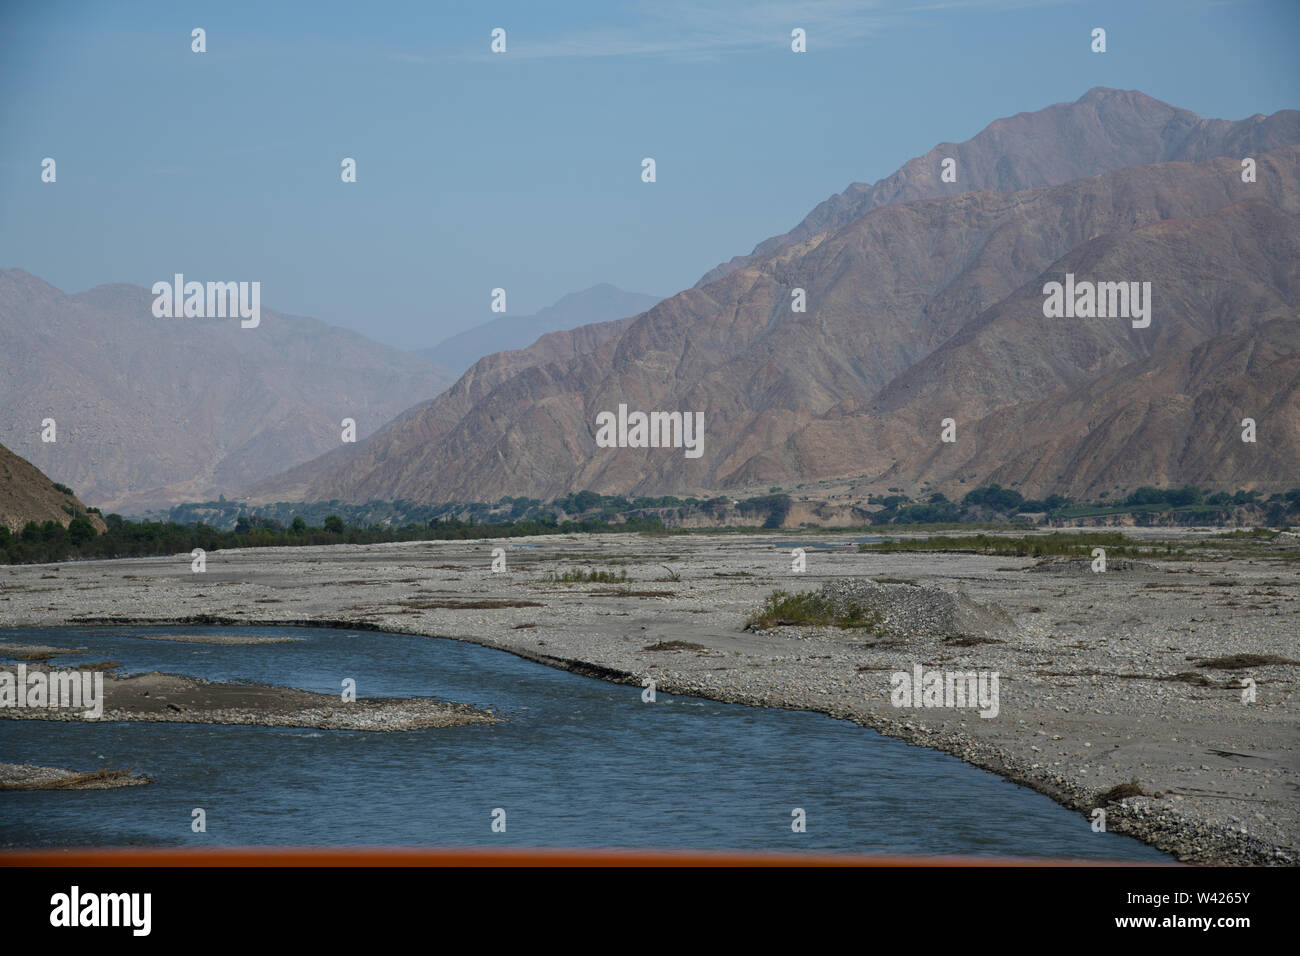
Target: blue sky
point(522, 170)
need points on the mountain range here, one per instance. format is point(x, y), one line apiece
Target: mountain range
point(150, 412)
point(925, 302)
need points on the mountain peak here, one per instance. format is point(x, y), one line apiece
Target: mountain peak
point(1111, 93)
point(1104, 129)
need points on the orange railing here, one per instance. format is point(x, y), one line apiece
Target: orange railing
point(519, 856)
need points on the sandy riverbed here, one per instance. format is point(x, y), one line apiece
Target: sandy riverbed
point(1102, 676)
point(24, 776)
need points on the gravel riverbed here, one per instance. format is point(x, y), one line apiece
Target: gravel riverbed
point(1134, 675)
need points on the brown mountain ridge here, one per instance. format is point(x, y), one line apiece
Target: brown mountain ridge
point(1104, 129)
point(918, 310)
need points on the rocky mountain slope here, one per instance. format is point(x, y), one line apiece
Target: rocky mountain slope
point(920, 311)
point(28, 495)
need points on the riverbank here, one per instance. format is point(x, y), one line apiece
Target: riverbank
point(1100, 680)
point(177, 698)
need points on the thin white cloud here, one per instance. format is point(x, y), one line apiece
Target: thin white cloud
point(709, 28)
point(991, 5)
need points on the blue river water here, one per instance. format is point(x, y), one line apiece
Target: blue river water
point(579, 763)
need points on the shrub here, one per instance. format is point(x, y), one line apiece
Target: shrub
point(812, 609)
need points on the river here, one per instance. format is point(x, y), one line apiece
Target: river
point(579, 763)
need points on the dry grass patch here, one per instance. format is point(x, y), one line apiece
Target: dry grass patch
point(466, 605)
point(970, 640)
point(632, 594)
point(1235, 662)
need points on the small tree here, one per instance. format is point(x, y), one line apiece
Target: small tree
point(80, 532)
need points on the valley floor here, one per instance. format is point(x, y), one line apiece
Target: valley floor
point(1100, 676)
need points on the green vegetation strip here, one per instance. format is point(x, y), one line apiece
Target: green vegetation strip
point(1033, 546)
point(811, 609)
point(214, 525)
point(587, 576)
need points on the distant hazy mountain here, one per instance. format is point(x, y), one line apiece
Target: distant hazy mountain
point(150, 411)
point(919, 311)
point(600, 303)
point(28, 495)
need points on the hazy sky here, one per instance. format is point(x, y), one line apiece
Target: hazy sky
point(523, 170)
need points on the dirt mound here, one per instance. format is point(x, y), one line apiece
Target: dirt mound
point(910, 610)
